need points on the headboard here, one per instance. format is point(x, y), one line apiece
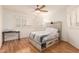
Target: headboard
point(57, 25)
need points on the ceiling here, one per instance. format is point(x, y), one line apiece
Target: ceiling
point(31, 8)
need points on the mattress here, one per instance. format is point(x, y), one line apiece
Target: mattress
point(43, 36)
point(52, 36)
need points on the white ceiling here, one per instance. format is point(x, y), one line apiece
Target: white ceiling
point(29, 8)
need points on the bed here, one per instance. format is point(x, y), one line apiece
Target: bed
point(45, 38)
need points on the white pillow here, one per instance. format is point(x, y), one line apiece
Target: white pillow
point(54, 30)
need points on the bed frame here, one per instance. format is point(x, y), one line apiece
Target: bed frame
point(37, 45)
point(57, 25)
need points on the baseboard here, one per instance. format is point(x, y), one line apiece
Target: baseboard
point(62, 39)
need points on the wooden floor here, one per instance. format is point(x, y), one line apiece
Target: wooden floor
point(23, 46)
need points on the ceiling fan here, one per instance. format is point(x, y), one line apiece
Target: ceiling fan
point(40, 8)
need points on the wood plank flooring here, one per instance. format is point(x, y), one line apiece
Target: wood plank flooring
point(23, 46)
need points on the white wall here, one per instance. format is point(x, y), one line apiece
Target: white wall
point(74, 37)
point(0, 26)
point(72, 30)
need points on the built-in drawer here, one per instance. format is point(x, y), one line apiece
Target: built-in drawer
point(51, 42)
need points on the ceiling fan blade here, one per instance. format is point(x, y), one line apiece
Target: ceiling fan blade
point(37, 7)
point(42, 7)
point(43, 10)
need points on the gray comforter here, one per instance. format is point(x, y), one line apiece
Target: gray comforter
point(43, 37)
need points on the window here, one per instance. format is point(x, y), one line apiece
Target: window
point(73, 17)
